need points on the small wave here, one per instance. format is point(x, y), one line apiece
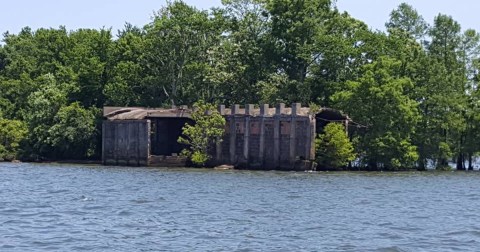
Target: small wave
point(124, 213)
point(57, 191)
point(466, 232)
point(294, 196)
point(254, 211)
point(390, 249)
point(6, 246)
point(10, 210)
point(141, 201)
point(16, 222)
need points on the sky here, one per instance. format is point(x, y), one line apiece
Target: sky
point(16, 14)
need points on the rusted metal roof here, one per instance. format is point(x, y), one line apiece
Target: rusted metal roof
point(135, 113)
point(142, 113)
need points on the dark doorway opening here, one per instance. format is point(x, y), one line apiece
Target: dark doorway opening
point(327, 116)
point(164, 135)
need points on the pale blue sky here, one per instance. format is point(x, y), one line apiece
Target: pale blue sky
point(16, 14)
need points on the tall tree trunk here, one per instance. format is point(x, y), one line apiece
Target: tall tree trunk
point(421, 165)
point(460, 165)
point(470, 163)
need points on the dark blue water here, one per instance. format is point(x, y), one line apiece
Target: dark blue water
point(94, 208)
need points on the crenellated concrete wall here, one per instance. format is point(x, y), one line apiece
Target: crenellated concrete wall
point(265, 141)
point(255, 138)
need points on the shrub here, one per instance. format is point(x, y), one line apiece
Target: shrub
point(333, 148)
point(208, 129)
point(12, 133)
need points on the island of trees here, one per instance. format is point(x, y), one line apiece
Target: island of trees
point(412, 87)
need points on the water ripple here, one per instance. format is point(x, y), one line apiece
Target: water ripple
point(91, 208)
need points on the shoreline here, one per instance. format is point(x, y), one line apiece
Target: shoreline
point(99, 163)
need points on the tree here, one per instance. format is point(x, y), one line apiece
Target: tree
point(445, 104)
point(239, 62)
point(471, 54)
point(176, 46)
point(126, 84)
point(407, 19)
point(296, 26)
point(208, 128)
point(43, 106)
point(333, 148)
point(73, 131)
point(379, 100)
point(89, 61)
point(12, 133)
point(344, 47)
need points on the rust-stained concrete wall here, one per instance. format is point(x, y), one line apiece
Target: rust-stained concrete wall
point(254, 138)
point(279, 141)
point(126, 142)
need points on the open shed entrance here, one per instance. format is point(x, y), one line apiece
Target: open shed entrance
point(164, 135)
point(327, 116)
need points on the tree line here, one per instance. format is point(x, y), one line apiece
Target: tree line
point(413, 87)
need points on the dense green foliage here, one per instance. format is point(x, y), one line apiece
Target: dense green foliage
point(333, 148)
point(414, 88)
point(12, 133)
point(206, 132)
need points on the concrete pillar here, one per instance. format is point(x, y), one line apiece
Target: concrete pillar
point(296, 107)
point(311, 135)
point(132, 135)
point(264, 109)
point(249, 109)
point(307, 137)
point(218, 145)
point(221, 109)
point(144, 144)
point(116, 143)
point(235, 109)
point(233, 133)
point(246, 137)
point(103, 142)
point(263, 113)
point(218, 151)
point(293, 132)
point(280, 109)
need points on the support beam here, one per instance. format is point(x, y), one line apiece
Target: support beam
point(280, 109)
point(263, 113)
point(246, 135)
point(293, 133)
point(233, 133)
point(218, 146)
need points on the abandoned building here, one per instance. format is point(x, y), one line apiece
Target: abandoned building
point(255, 138)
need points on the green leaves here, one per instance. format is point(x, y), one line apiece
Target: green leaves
point(176, 46)
point(12, 133)
point(208, 129)
point(333, 148)
point(379, 100)
point(415, 87)
point(73, 130)
point(406, 19)
point(57, 129)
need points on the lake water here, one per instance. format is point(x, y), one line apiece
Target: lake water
point(95, 208)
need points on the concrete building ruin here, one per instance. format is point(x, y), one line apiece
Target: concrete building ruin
point(255, 138)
